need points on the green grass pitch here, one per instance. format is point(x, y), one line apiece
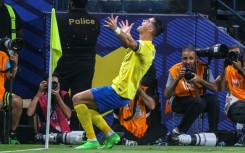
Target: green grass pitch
point(120, 149)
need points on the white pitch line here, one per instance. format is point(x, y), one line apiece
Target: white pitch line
point(22, 150)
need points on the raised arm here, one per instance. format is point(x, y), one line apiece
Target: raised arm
point(147, 100)
point(14, 58)
point(172, 84)
point(33, 105)
point(122, 33)
point(65, 109)
point(221, 81)
point(238, 66)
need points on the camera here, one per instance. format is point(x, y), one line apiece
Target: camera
point(188, 73)
point(233, 56)
point(12, 45)
point(73, 137)
point(54, 85)
point(201, 139)
point(217, 51)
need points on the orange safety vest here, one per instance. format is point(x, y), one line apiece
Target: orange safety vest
point(236, 83)
point(137, 125)
point(183, 88)
point(3, 63)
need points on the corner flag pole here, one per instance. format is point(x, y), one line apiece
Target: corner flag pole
point(49, 83)
point(55, 54)
point(49, 100)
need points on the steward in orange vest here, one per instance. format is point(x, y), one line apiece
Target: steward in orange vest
point(136, 118)
point(185, 93)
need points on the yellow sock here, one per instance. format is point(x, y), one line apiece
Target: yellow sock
point(85, 119)
point(99, 121)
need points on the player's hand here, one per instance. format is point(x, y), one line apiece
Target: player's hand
point(125, 27)
point(111, 22)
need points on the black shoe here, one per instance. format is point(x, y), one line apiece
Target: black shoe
point(172, 138)
point(13, 139)
point(241, 142)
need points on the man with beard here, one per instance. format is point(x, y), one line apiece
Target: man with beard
point(185, 91)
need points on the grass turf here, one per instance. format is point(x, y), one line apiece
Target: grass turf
point(120, 149)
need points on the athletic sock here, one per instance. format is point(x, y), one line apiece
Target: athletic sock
point(84, 117)
point(100, 122)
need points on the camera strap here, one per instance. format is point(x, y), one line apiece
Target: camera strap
point(188, 88)
point(196, 90)
point(5, 71)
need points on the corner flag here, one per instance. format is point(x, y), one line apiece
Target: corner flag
point(55, 54)
point(55, 40)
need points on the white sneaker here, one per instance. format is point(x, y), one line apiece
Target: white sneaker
point(129, 142)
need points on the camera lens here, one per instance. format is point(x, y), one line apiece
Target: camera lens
point(217, 51)
point(188, 73)
point(17, 44)
point(232, 56)
point(54, 85)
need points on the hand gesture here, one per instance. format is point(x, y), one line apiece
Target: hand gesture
point(194, 80)
point(43, 86)
point(181, 73)
point(111, 22)
point(237, 65)
point(14, 58)
point(56, 91)
point(125, 27)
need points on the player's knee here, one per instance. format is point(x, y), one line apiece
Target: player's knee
point(17, 102)
point(75, 99)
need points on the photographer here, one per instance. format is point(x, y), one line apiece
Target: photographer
point(185, 92)
point(232, 78)
point(140, 119)
point(8, 72)
point(60, 106)
point(11, 26)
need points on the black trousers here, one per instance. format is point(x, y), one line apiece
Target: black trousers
point(192, 107)
point(76, 74)
point(237, 112)
point(152, 134)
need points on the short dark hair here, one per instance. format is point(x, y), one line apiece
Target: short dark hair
point(158, 25)
point(79, 3)
point(241, 52)
point(189, 48)
point(235, 46)
point(55, 74)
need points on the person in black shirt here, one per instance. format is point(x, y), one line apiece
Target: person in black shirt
point(78, 34)
point(5, 24)
point(61, 106)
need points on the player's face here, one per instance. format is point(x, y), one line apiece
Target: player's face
point(146, 25)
